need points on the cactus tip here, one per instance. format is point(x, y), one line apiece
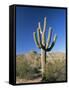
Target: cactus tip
point(44, 18)
point(50, 28)
point(39, 24)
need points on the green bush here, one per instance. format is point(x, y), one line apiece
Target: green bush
point(55, 70)
point(24, 70)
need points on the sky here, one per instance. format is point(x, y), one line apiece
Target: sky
point(27, 19)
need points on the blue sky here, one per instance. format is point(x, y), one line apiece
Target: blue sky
point(27, 21)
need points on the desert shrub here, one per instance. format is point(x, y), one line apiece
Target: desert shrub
point(24, 70)
point(33, 52)
point(55, 71)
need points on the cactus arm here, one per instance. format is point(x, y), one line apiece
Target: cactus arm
point(35, 39)
point(43, 39)
point(39, 27)
point(49, 38)
point(53, 43)
point(39, 37)
point(44, 28)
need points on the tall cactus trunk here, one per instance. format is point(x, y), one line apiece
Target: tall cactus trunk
point(43, 58)
point(43, 64)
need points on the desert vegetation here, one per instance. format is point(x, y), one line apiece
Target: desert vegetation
point(28, 67)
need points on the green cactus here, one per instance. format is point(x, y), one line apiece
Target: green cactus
point(44, 45)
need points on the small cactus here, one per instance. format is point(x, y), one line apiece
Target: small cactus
point(44, 45)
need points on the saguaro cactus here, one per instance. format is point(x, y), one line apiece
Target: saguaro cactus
point(43, 44)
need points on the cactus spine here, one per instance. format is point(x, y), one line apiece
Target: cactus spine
point(44, 44)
